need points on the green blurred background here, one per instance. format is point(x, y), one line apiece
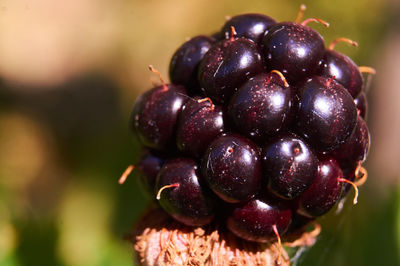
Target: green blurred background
point(69, 74)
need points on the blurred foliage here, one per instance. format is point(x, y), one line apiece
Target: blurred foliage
point(361, 235)
point(64, 138)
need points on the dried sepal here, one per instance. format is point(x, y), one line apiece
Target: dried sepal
point(159, 240)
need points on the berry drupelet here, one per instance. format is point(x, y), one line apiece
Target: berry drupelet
point(294, 49)
point(289, 166)
point(326, 114)
point(324, 192)
point(199, 123)
point(155, 115)
point(181, 193)
point(362, 104)
point(256, 219)
point(342, 68)
point(148, 167)
point(262, 106)
point(227, 65)
point(232, 167)
point(355, 149)
point(250, 26)
point(185, 62)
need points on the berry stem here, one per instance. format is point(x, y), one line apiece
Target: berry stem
point(233, 34)
point(323, 22)
point(207, 99)
point(285, 83)
point(278, 260)
point(125, 174)
point(174, 185)
point(316, 231)
point(300, 13)
point(354, 186)
point(342, 39)
point(361, 175)
point(370, 71)
point(367, 69)
point(328, 83)
point(155, 71)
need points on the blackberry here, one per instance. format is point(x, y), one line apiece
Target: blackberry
point(260, 128)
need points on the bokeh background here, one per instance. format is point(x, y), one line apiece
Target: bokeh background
point(69, 75)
